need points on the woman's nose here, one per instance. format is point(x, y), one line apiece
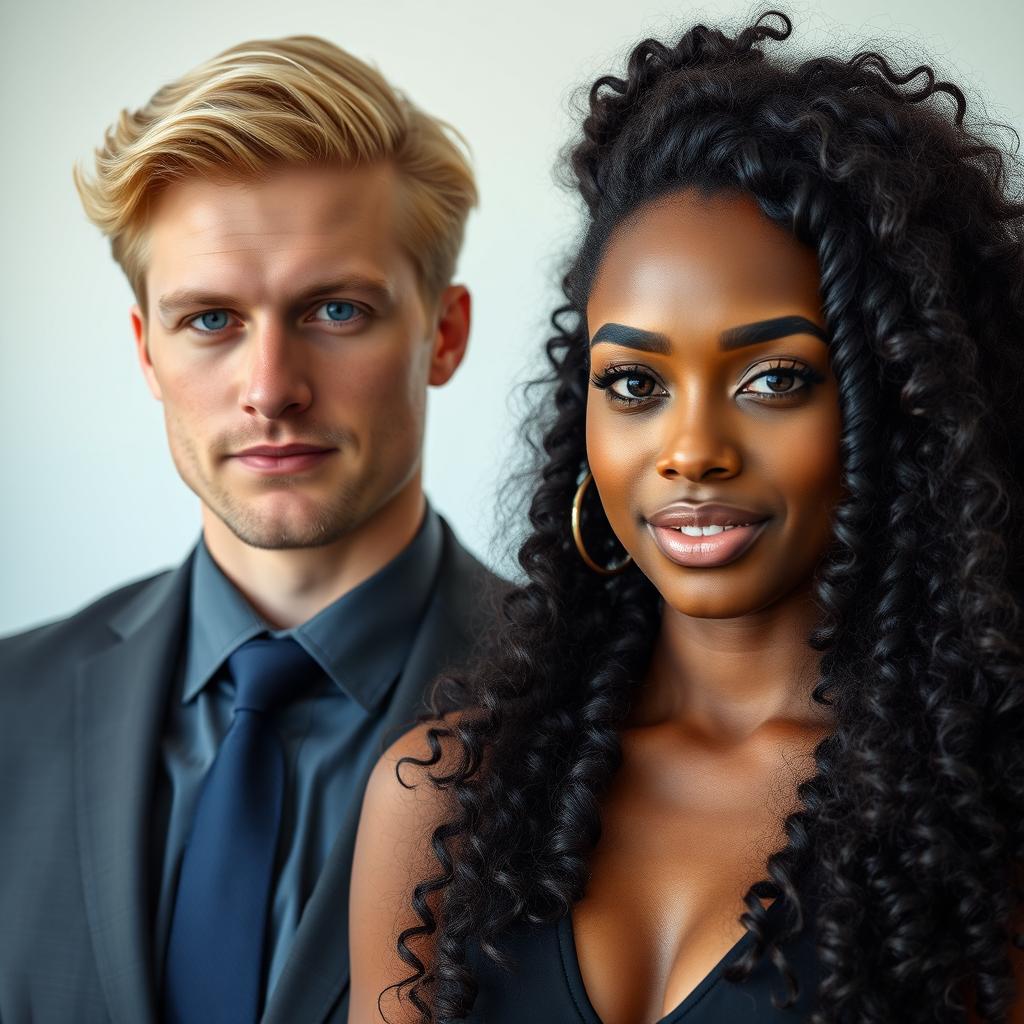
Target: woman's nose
point(696, 447)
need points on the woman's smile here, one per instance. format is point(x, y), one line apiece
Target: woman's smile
point(708, 534)
point(707, 546)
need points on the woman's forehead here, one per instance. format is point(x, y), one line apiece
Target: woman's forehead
point(690, 257)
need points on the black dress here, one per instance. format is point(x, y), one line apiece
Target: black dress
point(546, 986)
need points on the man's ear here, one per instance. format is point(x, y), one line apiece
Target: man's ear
point(451, 335)
point(142, 351)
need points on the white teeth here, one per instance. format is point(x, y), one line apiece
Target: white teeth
point(708, 531)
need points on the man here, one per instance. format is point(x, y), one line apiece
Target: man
point(182, 762)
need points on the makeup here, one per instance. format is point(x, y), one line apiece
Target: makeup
point(713, 423)
point(705, 535)
point(712, 549)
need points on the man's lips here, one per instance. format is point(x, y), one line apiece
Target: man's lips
point(283, 459)
point(281, 450)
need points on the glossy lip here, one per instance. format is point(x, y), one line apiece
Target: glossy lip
point(282, 460)
point(705, 552)
point(706, 513)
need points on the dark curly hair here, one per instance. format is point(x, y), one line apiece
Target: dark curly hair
point(910, 836)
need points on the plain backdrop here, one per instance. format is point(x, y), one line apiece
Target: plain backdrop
point(91, 498)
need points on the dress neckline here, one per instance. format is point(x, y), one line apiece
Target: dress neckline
point(574, 976)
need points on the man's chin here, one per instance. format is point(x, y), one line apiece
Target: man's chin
point(284, 534)
point(285, 540)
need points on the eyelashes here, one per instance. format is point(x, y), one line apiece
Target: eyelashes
point(634, 378)
point(635, 385)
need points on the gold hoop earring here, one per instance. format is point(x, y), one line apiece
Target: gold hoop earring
point(577, 533)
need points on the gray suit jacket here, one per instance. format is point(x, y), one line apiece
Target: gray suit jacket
point(82, 703)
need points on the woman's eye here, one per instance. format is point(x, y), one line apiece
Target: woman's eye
point(776, 383)
point(628, 385)
point(781, 382)
point(211, 321)
point(336, 312)
point(633, 386)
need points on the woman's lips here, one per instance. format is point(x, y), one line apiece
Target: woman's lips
point(714, 549)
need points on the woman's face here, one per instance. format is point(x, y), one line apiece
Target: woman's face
point(711, 384)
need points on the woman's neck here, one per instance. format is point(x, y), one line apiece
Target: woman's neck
point(728, 678)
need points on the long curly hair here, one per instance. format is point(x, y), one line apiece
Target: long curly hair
point(910, 836)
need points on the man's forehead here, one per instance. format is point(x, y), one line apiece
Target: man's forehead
point(259, 244)
point(262, 266)
point(315, 205)
point(275, 235)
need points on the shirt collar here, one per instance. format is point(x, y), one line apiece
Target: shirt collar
point(220, 621)
point(361, 640)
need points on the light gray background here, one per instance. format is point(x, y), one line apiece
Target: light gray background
point(91, 497)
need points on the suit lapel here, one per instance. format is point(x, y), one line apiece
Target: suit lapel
point(120, 697)
point(317, 970)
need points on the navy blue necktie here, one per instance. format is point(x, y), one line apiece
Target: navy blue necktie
point(215, 952)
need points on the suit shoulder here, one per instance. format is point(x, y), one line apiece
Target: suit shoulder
point(470, 587)
point(79, 632)
point(468, 565)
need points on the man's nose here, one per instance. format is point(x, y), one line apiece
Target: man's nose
point(697, 443)
point(276, 380)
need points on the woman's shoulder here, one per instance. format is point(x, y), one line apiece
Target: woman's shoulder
point(401, 786)
point(401, 808)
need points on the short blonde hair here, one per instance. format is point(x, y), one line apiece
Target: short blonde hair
point(266, 103)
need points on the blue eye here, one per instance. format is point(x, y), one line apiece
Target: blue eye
point(338, 312)
point(211, 321)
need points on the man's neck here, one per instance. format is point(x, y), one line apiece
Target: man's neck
point(289, 586)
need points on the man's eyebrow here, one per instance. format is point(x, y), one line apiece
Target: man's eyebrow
point(769, 330)
point(632, 337)
point(186, 298)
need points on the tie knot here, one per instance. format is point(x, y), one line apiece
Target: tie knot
point(269, 672)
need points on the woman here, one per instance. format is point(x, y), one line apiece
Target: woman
point(751, 747)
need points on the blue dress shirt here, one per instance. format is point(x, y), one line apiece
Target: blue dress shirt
point(361, 641)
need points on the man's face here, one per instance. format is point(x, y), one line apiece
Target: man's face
point(289, 342)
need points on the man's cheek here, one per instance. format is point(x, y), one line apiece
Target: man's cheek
point(216, 397)
point(379, 379)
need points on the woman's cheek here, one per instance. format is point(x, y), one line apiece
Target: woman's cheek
point(618, 459)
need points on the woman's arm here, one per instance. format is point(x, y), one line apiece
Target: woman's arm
point(392, 853)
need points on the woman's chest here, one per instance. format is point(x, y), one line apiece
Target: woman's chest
point(679, 849)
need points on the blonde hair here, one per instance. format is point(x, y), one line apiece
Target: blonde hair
point(266, 103)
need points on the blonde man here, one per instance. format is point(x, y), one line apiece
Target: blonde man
point(182, 762)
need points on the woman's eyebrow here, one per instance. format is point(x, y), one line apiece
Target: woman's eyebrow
point(769, 330)
point(632, 337)
point(733, 337)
